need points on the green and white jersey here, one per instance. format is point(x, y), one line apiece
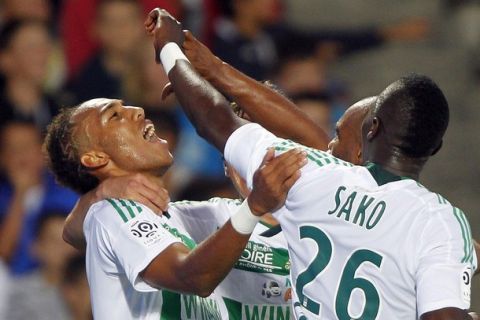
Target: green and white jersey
point(123, 237)
point(364, 244)
point(258, 287)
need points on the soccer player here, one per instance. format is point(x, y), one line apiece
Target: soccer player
point(135, 259)
point(360, 224)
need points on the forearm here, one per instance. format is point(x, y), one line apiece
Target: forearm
point(11, 228)
point(206, 108)
point(270, 109)
point(204, 268)
point(73, 228)
point(200, 270)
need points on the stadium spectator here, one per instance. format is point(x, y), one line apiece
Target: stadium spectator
point(37, 295)
point(24, 52)
point(26, 9)
point(104, 73)
point(143, 83)
point(77, 19)
point(26, 190)
point(251, 36)
point(75, 290)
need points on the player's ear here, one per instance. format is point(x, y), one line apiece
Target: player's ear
point(94, 159)
point(374, 129)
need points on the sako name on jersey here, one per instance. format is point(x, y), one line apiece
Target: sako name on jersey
point(364, 212)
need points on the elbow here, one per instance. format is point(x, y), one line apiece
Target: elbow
point(201, 285)
point(204, 290)
point(204, 294)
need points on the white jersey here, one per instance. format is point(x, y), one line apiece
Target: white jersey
point(258, 287)
point(364, 244)
point(123, 237)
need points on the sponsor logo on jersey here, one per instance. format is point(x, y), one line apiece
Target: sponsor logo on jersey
point(266, 312)
point(257, 257)
point(194, 307)
point(237, 310)
point(188, 307)
point(271, 289)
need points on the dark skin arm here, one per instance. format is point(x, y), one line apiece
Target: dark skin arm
point(447, 314)
point(206, 108)
point(199, 271)
point(262, 104)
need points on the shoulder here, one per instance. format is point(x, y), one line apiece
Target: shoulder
point(251, 130)
point(114, 212)
point(213, 204)
point(317, 157)
point(443, 222)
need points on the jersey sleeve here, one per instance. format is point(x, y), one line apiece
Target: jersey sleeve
point(130, 236)
point(246, 147)
point(446, 263)
point(202, 218)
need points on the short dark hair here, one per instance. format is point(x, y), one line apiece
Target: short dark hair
point(419, 113)
point(63, 157)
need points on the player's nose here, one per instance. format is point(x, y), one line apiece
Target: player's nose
point(137, 113)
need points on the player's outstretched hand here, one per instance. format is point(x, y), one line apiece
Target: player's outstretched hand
point(204, 61)
point(164, 28)
point(273, 179)
point(135, 187)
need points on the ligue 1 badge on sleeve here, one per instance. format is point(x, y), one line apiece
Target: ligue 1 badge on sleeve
point(466, 284)
point(146, 232)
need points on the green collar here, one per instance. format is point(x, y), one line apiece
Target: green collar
point(381, 175)
point(272, 231)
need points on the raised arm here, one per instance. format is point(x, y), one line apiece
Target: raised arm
point(263, 105)
point(206, 108)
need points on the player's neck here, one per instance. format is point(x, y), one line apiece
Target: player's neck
point(158, 180)
point(400, 165)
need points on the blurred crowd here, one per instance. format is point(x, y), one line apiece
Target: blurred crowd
point(321, 54)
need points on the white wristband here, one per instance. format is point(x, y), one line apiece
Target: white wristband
point(244, 221)
point(169, 54)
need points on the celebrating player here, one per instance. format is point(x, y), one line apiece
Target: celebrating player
point(398, 238)
point(133, 254)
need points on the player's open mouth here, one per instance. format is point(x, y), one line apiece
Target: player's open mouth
point(149, 132)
